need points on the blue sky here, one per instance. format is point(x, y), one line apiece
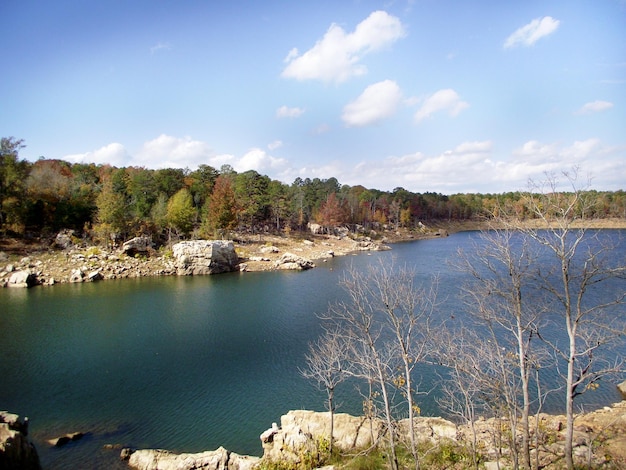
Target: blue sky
point(428, 95)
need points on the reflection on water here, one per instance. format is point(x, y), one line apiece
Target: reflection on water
point(186, 364)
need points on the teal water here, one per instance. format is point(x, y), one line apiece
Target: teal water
point(182, 363)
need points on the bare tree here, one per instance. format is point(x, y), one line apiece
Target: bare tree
point(326, 366)
point(463, 388)
point(580, 264)
point(385, 323)
point(501, 298)
point(369, 358)
point(406, 309)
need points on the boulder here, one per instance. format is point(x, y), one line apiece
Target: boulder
point(200, 257)
point(268, 249)
point(315, 228)
point(622, 389)
point(64, 239)
point(16, 451)
point(301, 428)
point(137, 245)
point(291, 261)
point(23, 278)
point(95, 276)
point(220, 459)
point(77, 275)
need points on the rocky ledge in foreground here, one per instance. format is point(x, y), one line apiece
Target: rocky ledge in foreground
point(600, 438)
point(16, 451)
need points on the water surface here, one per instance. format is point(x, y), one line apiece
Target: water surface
point(182, 363)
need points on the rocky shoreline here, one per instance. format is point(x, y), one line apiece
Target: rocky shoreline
point(599, 441)
point(68, 259)
point(66, 262)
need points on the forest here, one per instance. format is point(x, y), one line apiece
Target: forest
point(105, 203)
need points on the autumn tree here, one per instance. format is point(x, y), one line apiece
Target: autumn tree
point(331, 212)
point(221, 213)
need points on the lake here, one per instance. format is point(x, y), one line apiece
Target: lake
point(183, 363)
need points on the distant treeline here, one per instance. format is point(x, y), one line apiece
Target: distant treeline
point(106, 202)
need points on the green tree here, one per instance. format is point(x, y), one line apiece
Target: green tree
point(111, 203)
point(200, 183)
point(251, 194)
point(181, 214)
point(13, 173)
point(278, 202)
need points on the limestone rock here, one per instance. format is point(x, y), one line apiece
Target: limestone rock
point(200, 257)
point(95, 276)
point(291, 261)
point(431, 429)
point(23, 278)
point(137, 245)
point(15, 449)
point(77, 275)
point(64, 240)
point(268, 249)
point(301, 428)
point(220, 459)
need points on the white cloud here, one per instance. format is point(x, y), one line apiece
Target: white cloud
point(114, 154)
point(275, 145)
point(529, 34)
point(595, 107)
point(258, 160)
point(377, 102)
point(173, 152)
point(336, 57)
point(475, 166)
point(287, 112)
point(442, 100)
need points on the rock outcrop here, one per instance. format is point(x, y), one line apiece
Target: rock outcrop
point(22, 279)
point(300, 429)
point(220, 459)
point(137, 245)
point(295, 262)
point(16, 451)
point(200, 257)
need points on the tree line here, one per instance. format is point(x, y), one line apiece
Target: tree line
point(106, 202)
